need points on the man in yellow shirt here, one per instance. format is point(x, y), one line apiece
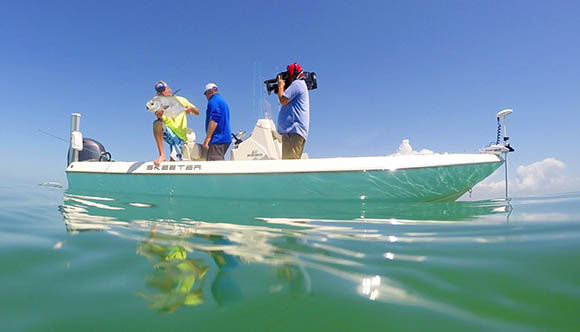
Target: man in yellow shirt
point(171, 130)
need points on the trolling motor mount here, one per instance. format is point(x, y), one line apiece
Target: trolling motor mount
point(498, 148)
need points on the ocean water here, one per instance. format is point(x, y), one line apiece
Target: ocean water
point(75, 262)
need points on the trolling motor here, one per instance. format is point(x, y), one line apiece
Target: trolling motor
point(504, 148)
point(501, 115)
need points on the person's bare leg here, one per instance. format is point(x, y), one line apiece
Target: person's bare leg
point(158, 135)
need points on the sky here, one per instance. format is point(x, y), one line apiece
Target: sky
point(433, 72)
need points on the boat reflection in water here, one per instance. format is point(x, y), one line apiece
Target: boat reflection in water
point(230, 250)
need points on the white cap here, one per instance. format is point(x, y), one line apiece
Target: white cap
point(210, 86)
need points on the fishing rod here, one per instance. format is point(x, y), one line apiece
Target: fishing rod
point(66, 141)
point(53, 136)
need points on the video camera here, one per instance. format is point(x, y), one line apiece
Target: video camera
point(309, 79)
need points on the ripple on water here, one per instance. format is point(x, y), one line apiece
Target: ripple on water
point(490, 265)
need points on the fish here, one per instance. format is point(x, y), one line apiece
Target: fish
point(169, 104)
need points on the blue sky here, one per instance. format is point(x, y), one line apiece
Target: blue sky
point(434, 72)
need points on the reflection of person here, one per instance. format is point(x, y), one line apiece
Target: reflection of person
point(294, 116)
point(217, 124)
point(293, 271)
point(175, 275)
point(224, 288)
point(171, 130)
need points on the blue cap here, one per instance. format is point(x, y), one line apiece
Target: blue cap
point(160, 86)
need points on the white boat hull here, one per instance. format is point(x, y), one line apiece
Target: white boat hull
point(402, 178)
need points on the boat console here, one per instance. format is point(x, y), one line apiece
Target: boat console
point(263, 144)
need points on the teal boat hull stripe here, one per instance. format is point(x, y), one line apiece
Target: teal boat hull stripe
point(444, 183)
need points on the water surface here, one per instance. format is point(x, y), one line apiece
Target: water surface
point(72, 261)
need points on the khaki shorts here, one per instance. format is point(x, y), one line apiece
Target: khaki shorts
point(292, 146)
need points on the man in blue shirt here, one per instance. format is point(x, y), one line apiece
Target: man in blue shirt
point(217, 124)
point(294, 116)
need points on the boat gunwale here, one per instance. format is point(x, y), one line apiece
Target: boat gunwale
point(158, 171)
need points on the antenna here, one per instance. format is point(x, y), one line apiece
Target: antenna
point(267, 109)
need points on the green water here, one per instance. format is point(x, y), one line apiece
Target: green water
point(77, 263)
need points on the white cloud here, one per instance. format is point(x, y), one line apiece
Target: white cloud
point(405, 148)
point(548, 176)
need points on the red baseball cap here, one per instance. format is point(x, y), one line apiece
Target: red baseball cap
point(295, 68)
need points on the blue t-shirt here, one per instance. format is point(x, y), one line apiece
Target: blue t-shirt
point(218, 111)
point(294, 118)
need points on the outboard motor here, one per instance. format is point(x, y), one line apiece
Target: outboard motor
point(93, 151)
point(84, 149)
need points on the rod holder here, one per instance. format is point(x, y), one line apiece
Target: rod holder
point(75, 125)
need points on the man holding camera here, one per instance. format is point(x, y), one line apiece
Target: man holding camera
point(294, 116)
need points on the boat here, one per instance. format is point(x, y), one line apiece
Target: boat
point(256, 171)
